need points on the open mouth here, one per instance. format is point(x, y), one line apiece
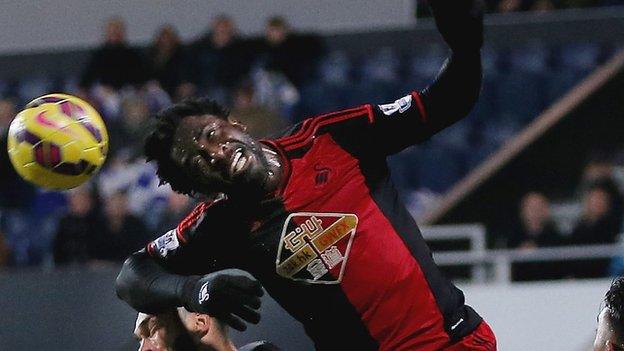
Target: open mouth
point(238, 162)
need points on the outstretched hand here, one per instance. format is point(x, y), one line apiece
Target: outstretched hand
point(460, 22)
point(233, 299)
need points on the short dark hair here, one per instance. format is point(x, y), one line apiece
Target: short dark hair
point(159, 140)
point(614, 303)
point(277, 21)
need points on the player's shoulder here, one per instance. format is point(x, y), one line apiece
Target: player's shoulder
point(337, 121)
point(200, 210)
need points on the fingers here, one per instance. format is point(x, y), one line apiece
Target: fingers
point(249, 285)
point(247, 314)
point(235, 322)
point(236, 297)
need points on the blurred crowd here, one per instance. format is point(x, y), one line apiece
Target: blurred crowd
point(270, 82)
point(123, 206)
point(594, 216)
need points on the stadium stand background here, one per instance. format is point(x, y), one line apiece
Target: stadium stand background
point(531, 60)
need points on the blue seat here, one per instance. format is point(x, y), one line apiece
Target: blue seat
point(560, 82)
point(377, 92)
point(426, 64)
point(382, 66)
point(335, 68)
point(582, 57)
point(318, 97)
point(404, 169)
point(520, 96)
point(31, 88)
point(439, 168)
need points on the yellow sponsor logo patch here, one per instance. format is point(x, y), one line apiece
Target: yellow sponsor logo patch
point(314, 247)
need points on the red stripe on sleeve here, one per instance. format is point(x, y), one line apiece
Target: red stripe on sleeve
point(420, 105)
point(193, 218)
point(311, 126)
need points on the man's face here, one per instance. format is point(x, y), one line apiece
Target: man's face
point(605, 334)
point(219, 156)
point(151, 333)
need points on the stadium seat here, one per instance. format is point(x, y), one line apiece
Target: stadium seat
point(439, 167)
point(335, 68)
point(382, 66)
point(31, 88)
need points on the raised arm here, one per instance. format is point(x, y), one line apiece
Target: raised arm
point(416, 117)
point(456, 89)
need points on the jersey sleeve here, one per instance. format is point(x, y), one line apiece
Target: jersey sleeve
point(387, 128)
point(195, 245)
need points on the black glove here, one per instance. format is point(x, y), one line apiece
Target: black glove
point(460, 22)
point(230, 298)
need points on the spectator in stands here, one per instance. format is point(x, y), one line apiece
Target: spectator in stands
point(127, 132)
point(220, 58)
point(600, 223)
point(294, 55)
point(610, 330)
point(601, 220)
point(600, 166)
point(75, 229)
point(536, 228)
point(121, 234)
point(114, 64)
point(259, 120)
point(14, 191)
point(168, 59)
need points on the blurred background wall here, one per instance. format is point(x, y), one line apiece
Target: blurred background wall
point(59, 24)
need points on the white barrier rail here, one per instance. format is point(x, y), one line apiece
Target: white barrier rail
point(501, 261)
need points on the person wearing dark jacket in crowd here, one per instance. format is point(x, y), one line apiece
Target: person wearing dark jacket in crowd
point(535, 229)
point(219, 58)
point(72, 241)
point(600, 223)
point(168, 59)
point(294, 55)
point(115, 64)
point(121, 234)
point(601, 220)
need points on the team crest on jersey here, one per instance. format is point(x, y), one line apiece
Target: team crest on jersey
point(314, 247)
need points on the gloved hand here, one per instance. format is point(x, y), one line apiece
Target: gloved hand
point(460, 22)
point(232, 299)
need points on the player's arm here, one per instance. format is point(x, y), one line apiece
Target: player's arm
point(161, 275)
point(148, 287)
point(416, 117)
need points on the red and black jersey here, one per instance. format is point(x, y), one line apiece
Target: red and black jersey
point(336, 247)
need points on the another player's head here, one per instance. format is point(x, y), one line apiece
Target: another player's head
point(198, 149)
point(205, 331)
point(154, 333)
point(610, 331)
point(181, 330)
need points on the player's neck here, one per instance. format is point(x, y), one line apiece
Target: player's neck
point(275, 170)
point(216, 342)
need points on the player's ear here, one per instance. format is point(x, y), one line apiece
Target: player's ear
point(203, 323)
point(238, 124)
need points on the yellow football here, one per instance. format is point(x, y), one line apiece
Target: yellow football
point(57, 142)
